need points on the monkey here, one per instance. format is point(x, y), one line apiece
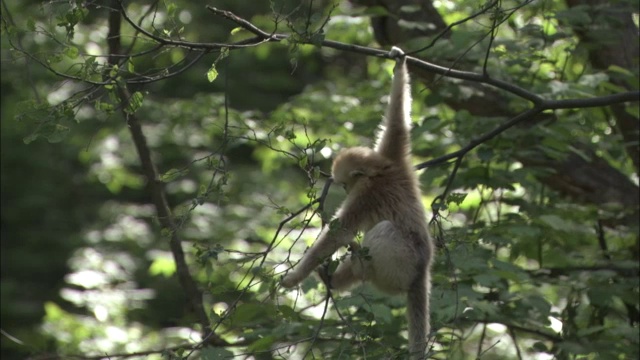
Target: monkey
point(383, 201)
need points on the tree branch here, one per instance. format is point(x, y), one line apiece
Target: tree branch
point(630, 96)
point(263, 36)
point(188, 44)
point(165, 217)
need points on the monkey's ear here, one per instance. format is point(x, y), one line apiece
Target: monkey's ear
point(356, 173)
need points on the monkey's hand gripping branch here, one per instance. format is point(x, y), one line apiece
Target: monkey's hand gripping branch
point(396, 53)
point(333, 236)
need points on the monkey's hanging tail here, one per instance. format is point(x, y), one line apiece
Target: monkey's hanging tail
point(418, 316)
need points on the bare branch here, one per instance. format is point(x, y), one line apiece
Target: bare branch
point(446, 30)
point(188, 44)
point(240, 21)
point(474, 143)
point(540, 333)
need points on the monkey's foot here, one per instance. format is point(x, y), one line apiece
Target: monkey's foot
point(354, 246)
point(396, 52)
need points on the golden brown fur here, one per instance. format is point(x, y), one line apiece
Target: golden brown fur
point(384, 203)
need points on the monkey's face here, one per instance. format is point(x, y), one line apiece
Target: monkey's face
point(348, 184)
point(344, 177)
point(354, 167)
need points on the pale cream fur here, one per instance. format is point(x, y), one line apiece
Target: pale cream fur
point(384, 203)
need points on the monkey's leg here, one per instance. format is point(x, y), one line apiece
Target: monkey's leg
point(382, 261)
point(358, 267)
point(351, 270)
point(393, 260)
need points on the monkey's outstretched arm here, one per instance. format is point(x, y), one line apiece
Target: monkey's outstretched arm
point(330, 240)
point(394, 142)
point(340, 232)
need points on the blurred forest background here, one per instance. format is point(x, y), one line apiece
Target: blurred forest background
point(529, 166)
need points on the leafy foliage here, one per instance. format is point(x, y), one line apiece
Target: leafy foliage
point(532, 263)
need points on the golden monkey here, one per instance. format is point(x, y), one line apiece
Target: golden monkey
point(383, 201)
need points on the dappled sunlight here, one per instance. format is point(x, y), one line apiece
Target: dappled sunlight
point(164, 166)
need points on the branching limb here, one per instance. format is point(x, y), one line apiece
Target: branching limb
point(187, 44)
point(245, 24)
point(440, 70)
point(193, 294)
point(446, 30)
point(542, 105)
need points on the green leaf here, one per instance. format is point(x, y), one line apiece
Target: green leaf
point(487, 279)
point(485, 154)
point(590, 330)
point(263, 344)
point(246, 313)
point(288, 312)
point(171, 175)
point(456, 198)
point(54, 58)
point(162, 266)
point(310, 283)
point(58, 133)
point(319, 145)
point(53, 311)
point(554, 221)
point(382, 313)
point(171, 9)
point(539, 303)
point(105, 107)
point(317, 39)
point(30, 138)
point(72, 52)
point(135, 102)
point(600, 296)
point(212, 74)
point(572, 347)
point(113, 72)
point(620, 70)
point(539, 346)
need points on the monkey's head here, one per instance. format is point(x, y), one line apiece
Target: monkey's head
point(354, 168)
